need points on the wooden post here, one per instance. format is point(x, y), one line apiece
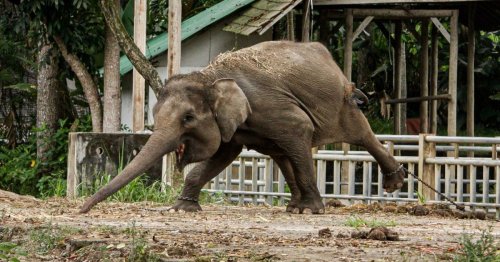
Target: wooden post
point(403, 87)
point(471, 46)
point(349, 20)
point(452, 82)
point(434, 79)
point(324, 27)
point(398, 63)
point(138, 92)
point(424, 76)
point(290, 26)
point(306, 21)
point(175, 177)
point(426, 171)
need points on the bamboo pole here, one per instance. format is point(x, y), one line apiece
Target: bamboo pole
point(452, 82)
point(403, 87)
point(434, 79)
point(290, 26)
point(138, 91)
point(424, 76)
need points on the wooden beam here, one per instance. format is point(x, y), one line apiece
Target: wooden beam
point(418, 99)
point(306, 21)
point(452, 78)
point(434, 79)
point(362, 27)
point(138, 92)
point(398, 63)
point(362, 2)
point(471, 49)
point(424, 76)
point(441, 28)
point(401, 13)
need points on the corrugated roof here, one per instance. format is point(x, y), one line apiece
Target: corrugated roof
point(261, 16)
point(189, 27)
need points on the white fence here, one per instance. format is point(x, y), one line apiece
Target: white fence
point(469, 174)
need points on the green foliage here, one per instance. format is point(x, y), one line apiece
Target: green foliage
point(484, 249)
point(357, 222)
point(139, 248)
point(23, 173)
point(10, 252)
point(46, 238)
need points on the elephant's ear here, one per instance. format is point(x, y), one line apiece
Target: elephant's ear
point(230, 106)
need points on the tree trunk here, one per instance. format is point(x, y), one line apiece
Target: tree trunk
point(52, 101)
point(88, 84)
point(112, 96)
point(140, 62)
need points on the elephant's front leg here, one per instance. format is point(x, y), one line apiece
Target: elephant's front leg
point(202, 173)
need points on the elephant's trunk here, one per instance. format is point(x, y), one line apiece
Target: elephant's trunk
point(158, 145)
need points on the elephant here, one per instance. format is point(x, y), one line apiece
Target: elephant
point(279, 98)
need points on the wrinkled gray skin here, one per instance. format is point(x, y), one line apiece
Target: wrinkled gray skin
point(279, 98)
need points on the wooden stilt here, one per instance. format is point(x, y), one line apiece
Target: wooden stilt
point(138, 91)
point(471, 46)
point(434, 79)
point(397, 75)
point(452, 82)
point(349, 21)
point(424, 76)
point(306, 21)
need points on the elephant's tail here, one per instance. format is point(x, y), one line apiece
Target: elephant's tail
point(353, 95)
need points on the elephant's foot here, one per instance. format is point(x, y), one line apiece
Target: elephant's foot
point(310, 206)
point(293, 204)
point(186, 205)
point(394, 180)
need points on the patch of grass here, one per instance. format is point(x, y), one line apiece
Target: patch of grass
point(44, 239)
point(10, 252)
point(357, 222)
point(139, 248)
point(482, 249)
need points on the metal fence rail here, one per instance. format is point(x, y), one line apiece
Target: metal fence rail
point(444, 162)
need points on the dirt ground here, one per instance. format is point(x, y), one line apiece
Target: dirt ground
point(51, 230)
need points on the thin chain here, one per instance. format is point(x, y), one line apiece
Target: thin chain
point(188, 199)
point(459, 206)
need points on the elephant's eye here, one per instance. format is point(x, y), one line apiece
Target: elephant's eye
point(188, 118)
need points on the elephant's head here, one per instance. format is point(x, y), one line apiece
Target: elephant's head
point(192, 118)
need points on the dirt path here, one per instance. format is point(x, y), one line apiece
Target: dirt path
point(119, 232)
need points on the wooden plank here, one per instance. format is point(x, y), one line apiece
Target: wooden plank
point(286, 11)
point(452, 79)
point(270, 6)
point(418, 99)
point(441, 28)
point(138, 91)
point(424, 76)
point(363, 2)
point(401, 13)
point(362, 27)
point(72, 180)
point(241, 29)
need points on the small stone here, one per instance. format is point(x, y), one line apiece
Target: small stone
point(469, 215)
point(325, 233)
point(458, 214)
point(334, 203)
point(420, 211)
point(441, 212)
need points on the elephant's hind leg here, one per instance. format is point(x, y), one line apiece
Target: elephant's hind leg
point(287, 170)
point(202, 173)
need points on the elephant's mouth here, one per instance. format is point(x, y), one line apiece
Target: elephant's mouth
point(179, 153)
